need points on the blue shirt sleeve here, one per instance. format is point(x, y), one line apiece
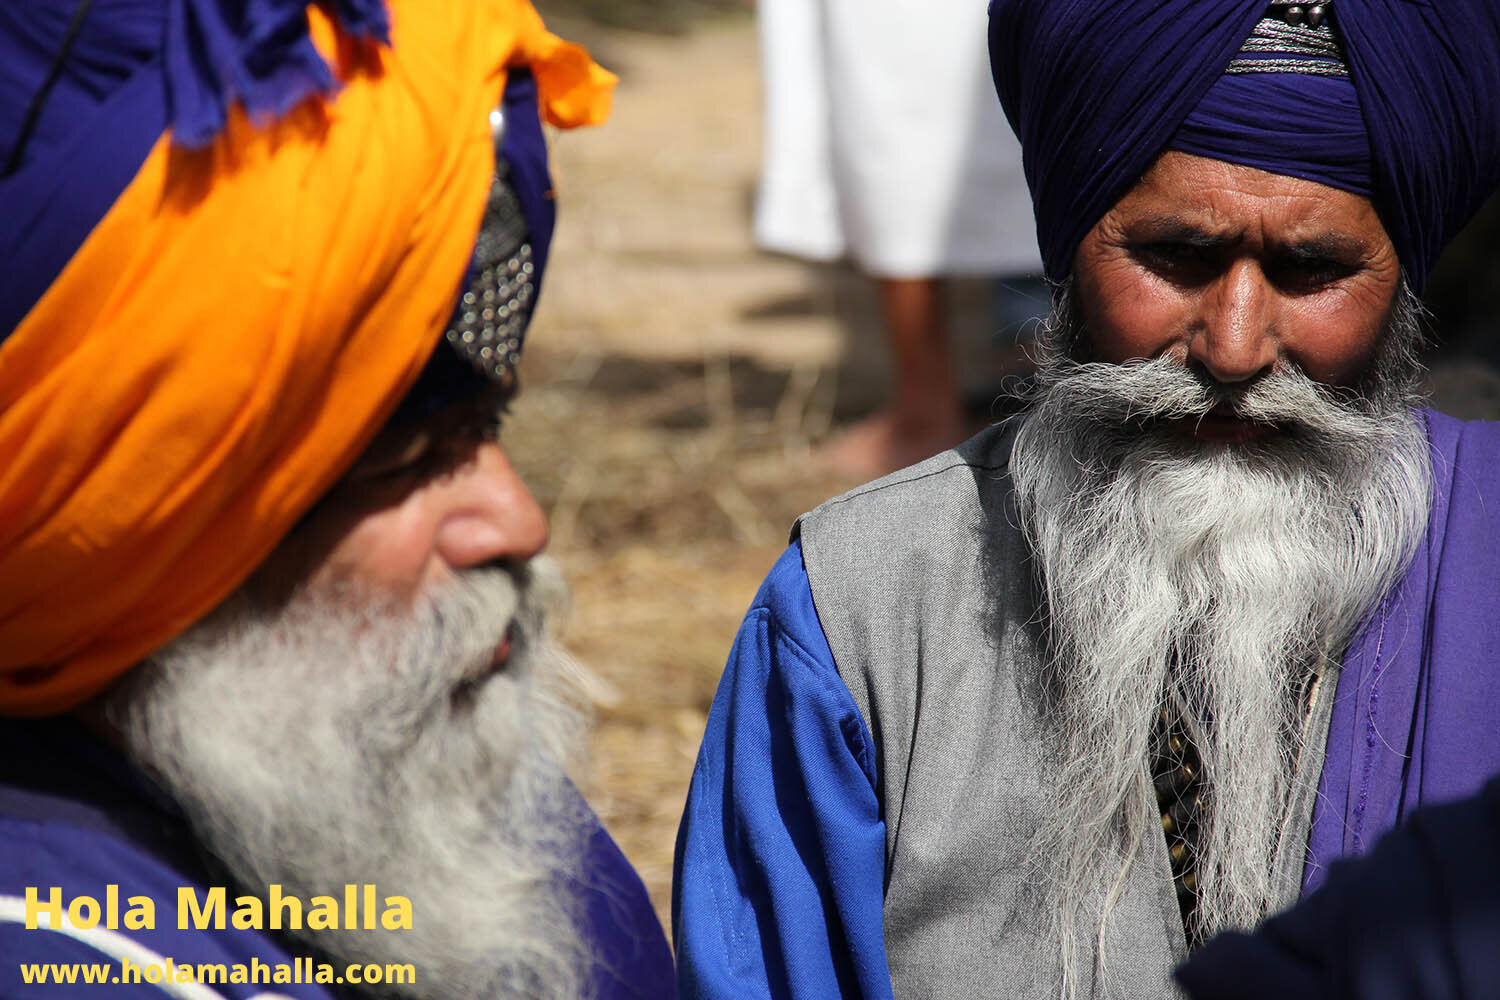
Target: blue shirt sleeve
point(780, 868)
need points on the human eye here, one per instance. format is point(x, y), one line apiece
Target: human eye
point(405, 456)
point(1171, 249)
point(395, 459)
point(1178, 261)
point(1304, 274)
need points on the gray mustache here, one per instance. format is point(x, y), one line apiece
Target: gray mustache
point(1140, 393)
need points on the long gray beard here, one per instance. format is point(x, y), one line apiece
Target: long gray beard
point(1211, 578)
point(333, 742)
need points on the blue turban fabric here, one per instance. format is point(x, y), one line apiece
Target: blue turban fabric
point(134, 69)
point(137, 67)
point(1284, 123)
point(1096, 89)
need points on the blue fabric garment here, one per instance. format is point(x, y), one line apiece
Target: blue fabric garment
point(74, 815)
point(781, 854)
point(137, 68)
point(1414, 717)
point(1095, 89)
point(1418, 919)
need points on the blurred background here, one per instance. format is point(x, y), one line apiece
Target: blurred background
point(678, 383)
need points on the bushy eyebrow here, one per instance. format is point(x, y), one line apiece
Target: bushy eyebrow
point(496, 403)
point(1167, 228)
point(402, 447)
point(1325, 246)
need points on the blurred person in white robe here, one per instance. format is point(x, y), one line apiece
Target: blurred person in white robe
point(884, 143)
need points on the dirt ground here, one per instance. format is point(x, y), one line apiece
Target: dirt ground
point(675, 381)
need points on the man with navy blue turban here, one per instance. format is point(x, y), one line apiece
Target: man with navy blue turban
point(1040, 715)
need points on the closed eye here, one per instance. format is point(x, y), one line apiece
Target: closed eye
point(1179, 261)
point(433, 449)
point(1304, 275)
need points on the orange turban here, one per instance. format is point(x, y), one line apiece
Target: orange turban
point(235, 329)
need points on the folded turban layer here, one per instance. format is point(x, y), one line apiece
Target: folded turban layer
point(243, 226)
point(1096, 89)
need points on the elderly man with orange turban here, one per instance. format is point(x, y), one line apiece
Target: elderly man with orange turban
point(282, 713)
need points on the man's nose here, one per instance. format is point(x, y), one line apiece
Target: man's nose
point(1235, 338)
point(491, 516)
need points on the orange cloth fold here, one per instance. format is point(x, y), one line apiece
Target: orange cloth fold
point(234, 331)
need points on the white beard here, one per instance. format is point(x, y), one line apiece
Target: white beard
point(333, 741)
point(1209, 577)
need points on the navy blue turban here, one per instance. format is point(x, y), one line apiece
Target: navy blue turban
point(1096, 89)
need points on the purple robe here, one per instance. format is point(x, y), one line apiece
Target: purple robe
point(1414, 720)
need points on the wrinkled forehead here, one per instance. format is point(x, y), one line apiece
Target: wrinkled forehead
point(1195, 199)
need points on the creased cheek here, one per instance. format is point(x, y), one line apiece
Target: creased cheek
point(1334, 356)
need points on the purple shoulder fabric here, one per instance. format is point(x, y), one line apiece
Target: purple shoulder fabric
point(1414, 714)
point(632, 960)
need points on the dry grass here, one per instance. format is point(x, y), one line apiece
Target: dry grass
point(673, 381)
point(676, 381)
point(665, 533)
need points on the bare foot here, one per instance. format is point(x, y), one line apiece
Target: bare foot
point(884, 442)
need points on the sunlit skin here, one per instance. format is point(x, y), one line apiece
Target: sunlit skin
point(1236, 270)
point(422, 503)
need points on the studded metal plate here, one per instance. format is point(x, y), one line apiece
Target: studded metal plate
point(490, 323)
point(1292, 37)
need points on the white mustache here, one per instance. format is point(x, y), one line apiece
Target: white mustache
point(462, 625)
point(1140, 393)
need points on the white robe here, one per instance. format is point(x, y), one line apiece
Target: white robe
point(885, 141)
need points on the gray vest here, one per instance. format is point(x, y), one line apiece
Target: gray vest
point(920, 581)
